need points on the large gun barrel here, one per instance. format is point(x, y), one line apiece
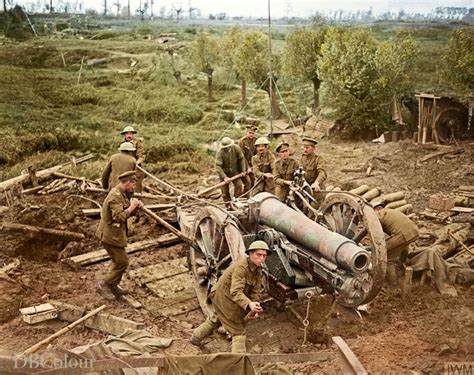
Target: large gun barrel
point(311, 235)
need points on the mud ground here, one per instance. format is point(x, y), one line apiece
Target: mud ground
point(414, 335)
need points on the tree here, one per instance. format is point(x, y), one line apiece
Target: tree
point(362, 76)
point(205, 56)
point(252, 63)
point(459, 58)
point(301, 55)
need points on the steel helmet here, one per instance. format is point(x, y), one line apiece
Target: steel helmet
point(127, 129)
point(127, 146)
point(226, 142)
point(262, 141)
point(258, 245)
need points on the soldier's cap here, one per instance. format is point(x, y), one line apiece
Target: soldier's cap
point(127, 146)
point(128, 129)
point(251, 127)
point(262, 141)
point(258, 245)
point(308, 141)
point(378, 203)
point(226, 142)
point(130, 175)
point(283, 146)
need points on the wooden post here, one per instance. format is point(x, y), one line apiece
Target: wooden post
point(407, 281)
point(47, 340)
point(420, 110)
point(33, 177)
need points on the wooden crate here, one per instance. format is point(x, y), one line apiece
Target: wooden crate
point(40, 313)
point(441, 202)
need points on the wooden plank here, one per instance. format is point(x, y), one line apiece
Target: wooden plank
point(169, 286)
point(185, 220)
point(349, 356)
point(181, 308)
point(160, 271)
point(103, 322)
point(462, 209)
point(102, 255)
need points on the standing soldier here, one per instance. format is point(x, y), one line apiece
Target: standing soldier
point(283, 171)
point(230, 162)
point(129, 135)
point(236, 294)
point(314, 167)
point(262, 167)
point(112, 232)
point(247, 145)
point(119, 163)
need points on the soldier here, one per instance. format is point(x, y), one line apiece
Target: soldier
point(283, 171)
point(236, 294)
point(401, 231)
point(118, 164)
point(247, 145)
point(262, 167)
point(314, 167)
point(129, 135)
point(112, 232)
point(230, 162)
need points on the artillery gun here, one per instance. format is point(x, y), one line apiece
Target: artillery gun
point(342, 251)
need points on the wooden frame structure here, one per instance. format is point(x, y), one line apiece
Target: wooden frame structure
point(427, 107)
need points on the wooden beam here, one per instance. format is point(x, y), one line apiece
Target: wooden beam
point(38, 231)
point(102, 255)
point(349, 356)
point(172, 229)
point(136, 195)
point(153, 207)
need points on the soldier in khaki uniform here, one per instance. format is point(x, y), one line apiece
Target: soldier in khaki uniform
point(230, 162)
point(314, 167)
point(262, 167)
point(129, 135)
point(118, 164)
point(236, 294)
point(112, 231)
point(283, 171)
point(247, 145)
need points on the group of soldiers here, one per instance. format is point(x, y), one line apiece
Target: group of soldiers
point(252, 167)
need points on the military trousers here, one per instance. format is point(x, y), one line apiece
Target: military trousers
point(212, 323)
point(118, 266)
point(248, 182)
point(397, 245)
point(238, 189)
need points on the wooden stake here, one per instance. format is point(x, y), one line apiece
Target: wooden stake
point(47, 340)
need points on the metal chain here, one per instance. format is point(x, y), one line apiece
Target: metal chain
point(309, 294)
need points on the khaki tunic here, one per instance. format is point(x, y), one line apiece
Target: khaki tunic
point(118, 164)
point(283, 170)
point(112, 228)
point(230, 161)
point(239, 285)
point(262, 163)
point(140, 150)
point(315, 169)
point(247, 146)
point(401, 230)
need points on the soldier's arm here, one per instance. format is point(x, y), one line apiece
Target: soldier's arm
point(237, 286)
point(255, 169)
point(321, 168)
point(241, 160)
point(219, 163)
point(105, 176)
point(277, 174)
point(119, 214)
point(140, 153)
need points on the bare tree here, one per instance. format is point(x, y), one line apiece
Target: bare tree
point(117, 5)
point(105, 8)
point(178, 8)
point(151, 10)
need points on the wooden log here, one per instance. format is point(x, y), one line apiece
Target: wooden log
point(360, 190)
point(91, 212)
point(406, 209)
point(172, 229)
point(32, 190)
point(440, 153)
point(69, 177)
point(38, 231)
point(102, 255)
point(371, 194)
point(392, 197)
point(217, 186)
point(396, 204)
point(47, 340)
point(136, 195)
point(42, 175)
point(161, 182)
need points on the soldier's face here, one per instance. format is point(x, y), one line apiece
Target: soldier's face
point(129, 136)
point(250, 134)
point(284, 155)
point(130, 186)
point(258, 257)
point(261, 148)
point(308, 149)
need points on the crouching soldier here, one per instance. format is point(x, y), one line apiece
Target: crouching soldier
point(236, 294)
point(283, 171)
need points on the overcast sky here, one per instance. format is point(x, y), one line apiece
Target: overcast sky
point(257, 8)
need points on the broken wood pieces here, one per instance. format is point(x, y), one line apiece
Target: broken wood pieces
point(440, 153)
point(38, 231)
point(102, 255)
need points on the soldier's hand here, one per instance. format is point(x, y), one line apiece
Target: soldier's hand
point(286, 182)
point(243, 174)
point(249, 170)
point(135, 203)
point(255, 307)
point(226, 179)
point(316, 186)
point(268, 175)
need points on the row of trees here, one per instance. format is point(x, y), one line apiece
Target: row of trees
point(359, 75)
